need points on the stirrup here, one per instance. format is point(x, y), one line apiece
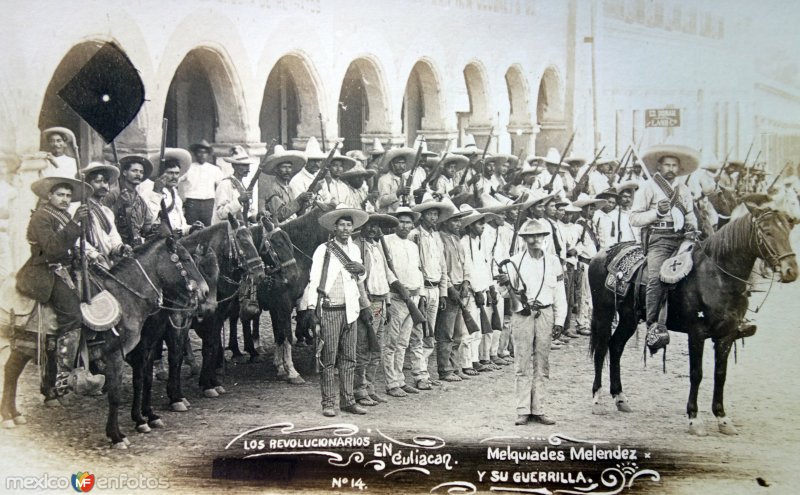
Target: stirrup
point(62, 386)
point(657, 337)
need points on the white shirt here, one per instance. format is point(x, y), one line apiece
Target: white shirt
point(605, 225)
point(226, 200)
point(477, 256)
point(337, 192)
point(405, 258)
point(104, 242)
point(67, 167)
point(598, 182)
point(200, 181)
point(336, 272)
point(546, 273)
point(153, 199)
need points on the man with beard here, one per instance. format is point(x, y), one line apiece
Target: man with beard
point(47, 276)
point(131, 214)
point(605, 224)
point(198, 184)
point(333, 288)
point(434, 290)
point(103, 242)
point(669, 217)
point(279, 168)
point(392, 184)
point(165, 187)
point(231, 196)
point(63, 165)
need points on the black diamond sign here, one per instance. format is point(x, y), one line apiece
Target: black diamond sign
point(107, 92)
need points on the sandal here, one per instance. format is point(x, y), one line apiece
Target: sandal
point(469, 371)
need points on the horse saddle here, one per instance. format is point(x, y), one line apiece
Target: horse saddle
point(675, 268)
point(15, 308)
point(622, 268)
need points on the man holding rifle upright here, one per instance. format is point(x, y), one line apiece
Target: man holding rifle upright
point(232, 195)
point(280, 167)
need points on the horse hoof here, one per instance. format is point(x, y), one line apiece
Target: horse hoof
point(622, 406)
point(220, 389)
point(9, 424)
point(210, 393)
point(157, 423)
point(126, 441)
point(599, 409)
point(697, 428)
point(20, 420)
point(296, 380)
point(186, 402)
point(726, 427)
point(178, 407)
point(119, 445)
point(143, 428)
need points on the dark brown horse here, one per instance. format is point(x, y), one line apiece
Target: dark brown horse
point(160, 270)
point(709, 303)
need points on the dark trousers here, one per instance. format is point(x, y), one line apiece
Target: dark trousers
point(67, 306)
point(198, 210)
point(659, 248)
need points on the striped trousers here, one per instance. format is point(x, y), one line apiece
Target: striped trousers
point(339, 350)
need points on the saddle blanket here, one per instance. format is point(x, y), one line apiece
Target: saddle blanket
point(623, 267)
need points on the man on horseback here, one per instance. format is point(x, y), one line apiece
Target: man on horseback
point(231, 195)
point(47, 275)
point(279, 168)
point(131, 214)
point(664, 207)
point(103, 242)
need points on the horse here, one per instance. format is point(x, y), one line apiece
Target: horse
point(160, 270)
point(723, 201)
point(710, 302)
point(238, 257)
point(173, 319)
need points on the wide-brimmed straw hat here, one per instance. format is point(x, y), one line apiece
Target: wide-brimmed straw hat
point(473, 215)
point(147, 165)
point(357, 171)
point(624, 186)
point(408, 153)
point(688, 157)
point(42, 187)
point(239, 157)
point(405, 210)
point(313, 151)
point(443, 207)
point(347, 162)
point(180, 155)
point(357, 155)
point(112, 172)
point(536, 227)
point(608, 193)
point(586, 200)
point(280, 155)
point(201, 145)
point(553, 157)
point(496, 204)
point(383, 220)
point(468, 147)
point(328, 220)
point(67, 134)
point(377, 147)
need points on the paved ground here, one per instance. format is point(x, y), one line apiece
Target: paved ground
point(761, 397)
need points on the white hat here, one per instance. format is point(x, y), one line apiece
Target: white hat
point(535, 226)
point(313, 151)
point(239, 157)
point(443, 207)
point(552, 157)
point(377, 147)
point(279, 155)
point(405, 210)
point(688, 157)
point(329, 219)
point(585, 200)
point(469, 146)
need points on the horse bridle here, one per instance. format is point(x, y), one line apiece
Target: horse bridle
point(773, 257)
point(237, 253)
point(266, 244)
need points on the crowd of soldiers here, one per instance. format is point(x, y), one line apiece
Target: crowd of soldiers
point(479, 259)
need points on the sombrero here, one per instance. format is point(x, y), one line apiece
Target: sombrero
point(608, 193)
point(461, 161)
point(496, 204)
point(538, 196)
point(239, 157)
point(631, 184)
point(313, 151)
point(126, 161)
point(469, 147)
point(111, 171)
point(535, 227)
point(180, 155)
point(347, 162)
point(421, 141)
point(296, 158)
point(202, 144)
point(443, 207)
point(383, 220)
point(689, 158)
point(553, 157)
point(499, 159)
point(42, 187)
point(67, 134)
point(377, 147)
point(329, 219)
point(358, 171)
point(471, 215)
point(405, 210)
point(586, 200)
point(357, 155)
point(408, 153)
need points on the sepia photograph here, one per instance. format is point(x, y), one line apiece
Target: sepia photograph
point(399, 246)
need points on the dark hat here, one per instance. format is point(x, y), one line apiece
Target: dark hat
point(201, 145)
point(382, 220)
point(126, 162)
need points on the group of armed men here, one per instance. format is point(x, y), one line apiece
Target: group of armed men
point(405, 269)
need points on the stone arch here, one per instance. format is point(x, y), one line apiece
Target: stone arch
point(55, 112)
point(478, 121)
point(291, 104)
point(422, 101)
point(550, 111)
point(520, 125)
point(204, 100)
point(363, 107)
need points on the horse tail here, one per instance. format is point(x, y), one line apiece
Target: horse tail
point(603, 307)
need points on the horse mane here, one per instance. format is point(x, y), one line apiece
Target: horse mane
point(731, 237)
point(140, 251)
point(305, 231)
point(203, 236)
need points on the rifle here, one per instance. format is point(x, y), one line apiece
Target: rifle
point(437, 169)
point(721, 168)
point(123, 218)
point(257, 174)
point(584, 180)
point(323, 169)
point(416, 315)
point(777, 177)
point(517, 223)
point(549, 186)
point(84, 225)
point(161, 163)
point(482, 161)
point(417, 162)
point(623, 164)
point(322, 131)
